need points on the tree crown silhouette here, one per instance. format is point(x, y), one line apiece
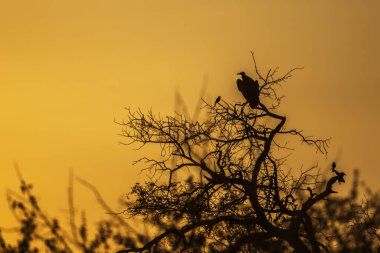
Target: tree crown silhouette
point(222, 183)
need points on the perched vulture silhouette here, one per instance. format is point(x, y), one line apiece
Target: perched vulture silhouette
point(249, 88)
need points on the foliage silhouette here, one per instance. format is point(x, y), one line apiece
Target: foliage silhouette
point(347, 224)
point(41, 233)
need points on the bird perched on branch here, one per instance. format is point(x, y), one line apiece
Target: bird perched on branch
point(217, 100)
point(340, 175)
point(249, 88)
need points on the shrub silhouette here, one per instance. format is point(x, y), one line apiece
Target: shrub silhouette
point(40, 233)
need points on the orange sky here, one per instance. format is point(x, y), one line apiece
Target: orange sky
point(68, 68)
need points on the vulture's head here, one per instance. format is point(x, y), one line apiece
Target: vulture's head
point(241, 73)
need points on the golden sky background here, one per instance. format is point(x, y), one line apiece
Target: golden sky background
point(68, 69)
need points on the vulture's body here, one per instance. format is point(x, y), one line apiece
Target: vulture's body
point(249, 88)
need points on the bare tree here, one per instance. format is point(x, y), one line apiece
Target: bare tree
point(219, 185)
point(232, 190)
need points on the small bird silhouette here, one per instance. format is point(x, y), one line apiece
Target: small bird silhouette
point(340, 175)
point(249, 88)
point(217, 100)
